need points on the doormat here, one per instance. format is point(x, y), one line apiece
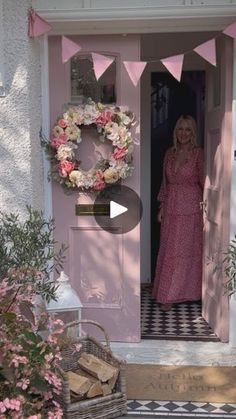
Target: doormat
point(181, 383)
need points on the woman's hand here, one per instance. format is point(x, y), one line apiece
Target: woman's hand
point(160, 215)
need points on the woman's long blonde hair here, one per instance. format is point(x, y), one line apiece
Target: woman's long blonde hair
point(192, 124)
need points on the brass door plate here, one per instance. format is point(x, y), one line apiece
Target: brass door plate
point(92, 209)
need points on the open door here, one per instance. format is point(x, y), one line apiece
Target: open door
point(215, 306)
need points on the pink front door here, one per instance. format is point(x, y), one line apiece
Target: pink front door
point(217, 187)
point(103, 267)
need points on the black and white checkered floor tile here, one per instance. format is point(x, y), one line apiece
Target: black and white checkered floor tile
point(182, 322)
point(177, 409)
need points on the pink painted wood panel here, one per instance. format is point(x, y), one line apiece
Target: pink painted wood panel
point(92, 255)
point(104, 268)
point(217, 188)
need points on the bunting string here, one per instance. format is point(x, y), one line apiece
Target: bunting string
point(207, 50)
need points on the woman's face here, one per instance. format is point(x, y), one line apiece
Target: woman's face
point(184, 132)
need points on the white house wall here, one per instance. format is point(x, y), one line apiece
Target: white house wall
point(20, 112)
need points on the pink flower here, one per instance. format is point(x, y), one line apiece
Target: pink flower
point(51, 339)
point(13, 404)
point(2, 407)
point(49, 357)
point(56, 414)
point(104, 117)
point(65, 167)
point(57, 141)
point(23, 383)
point(62, 123)
point(17, 360)
point(99, 185)
point(52, 379)
point(12, 347)
point(119, 153)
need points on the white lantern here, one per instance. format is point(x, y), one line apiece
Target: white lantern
point(67, 299)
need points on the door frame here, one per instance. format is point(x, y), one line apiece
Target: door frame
point(232, 302)
point(145, 162)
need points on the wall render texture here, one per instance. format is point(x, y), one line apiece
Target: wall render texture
point(21, 161)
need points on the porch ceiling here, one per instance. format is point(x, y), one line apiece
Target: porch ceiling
point(128, 16)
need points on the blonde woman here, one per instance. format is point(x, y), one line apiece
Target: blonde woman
point(179, 263)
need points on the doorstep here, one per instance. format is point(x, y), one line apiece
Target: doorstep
point(176, 352)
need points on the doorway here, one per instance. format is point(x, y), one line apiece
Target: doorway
point(169, 100)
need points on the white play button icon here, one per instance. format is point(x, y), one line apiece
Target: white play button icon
point(116, 209)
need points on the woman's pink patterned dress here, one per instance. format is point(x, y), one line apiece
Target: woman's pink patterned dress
point(178, 275)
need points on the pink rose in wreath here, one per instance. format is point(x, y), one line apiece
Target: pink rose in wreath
point(65, 167)
point(62, 123)
point(119, 153)
point(104, 118)
point(57, 141)
point(99, 183)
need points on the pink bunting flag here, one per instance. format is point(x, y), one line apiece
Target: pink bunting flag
point(207, 50)
point(135, 70)
point(37, 25)
point(68, 48)
point(231, 30)
point(174, 65)
point(100, 64)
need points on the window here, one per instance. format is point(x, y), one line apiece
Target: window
point(84, 84)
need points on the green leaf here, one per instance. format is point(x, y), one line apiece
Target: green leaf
point(31, 336)
point(39, 383)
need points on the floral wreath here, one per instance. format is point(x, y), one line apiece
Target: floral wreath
point(113, 123)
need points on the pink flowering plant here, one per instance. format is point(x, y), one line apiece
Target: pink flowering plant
point(113, 124)
point(29, 378)
point(29, 338)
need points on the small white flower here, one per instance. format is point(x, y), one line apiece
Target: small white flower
point(73, 132)
point(65, 151)
point(125, 119)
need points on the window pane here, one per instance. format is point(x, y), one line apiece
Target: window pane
point(84, 84)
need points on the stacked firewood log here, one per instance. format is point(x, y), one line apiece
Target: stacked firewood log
point(94, 377)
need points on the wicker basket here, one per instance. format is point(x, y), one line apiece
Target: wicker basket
point(99, 407)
